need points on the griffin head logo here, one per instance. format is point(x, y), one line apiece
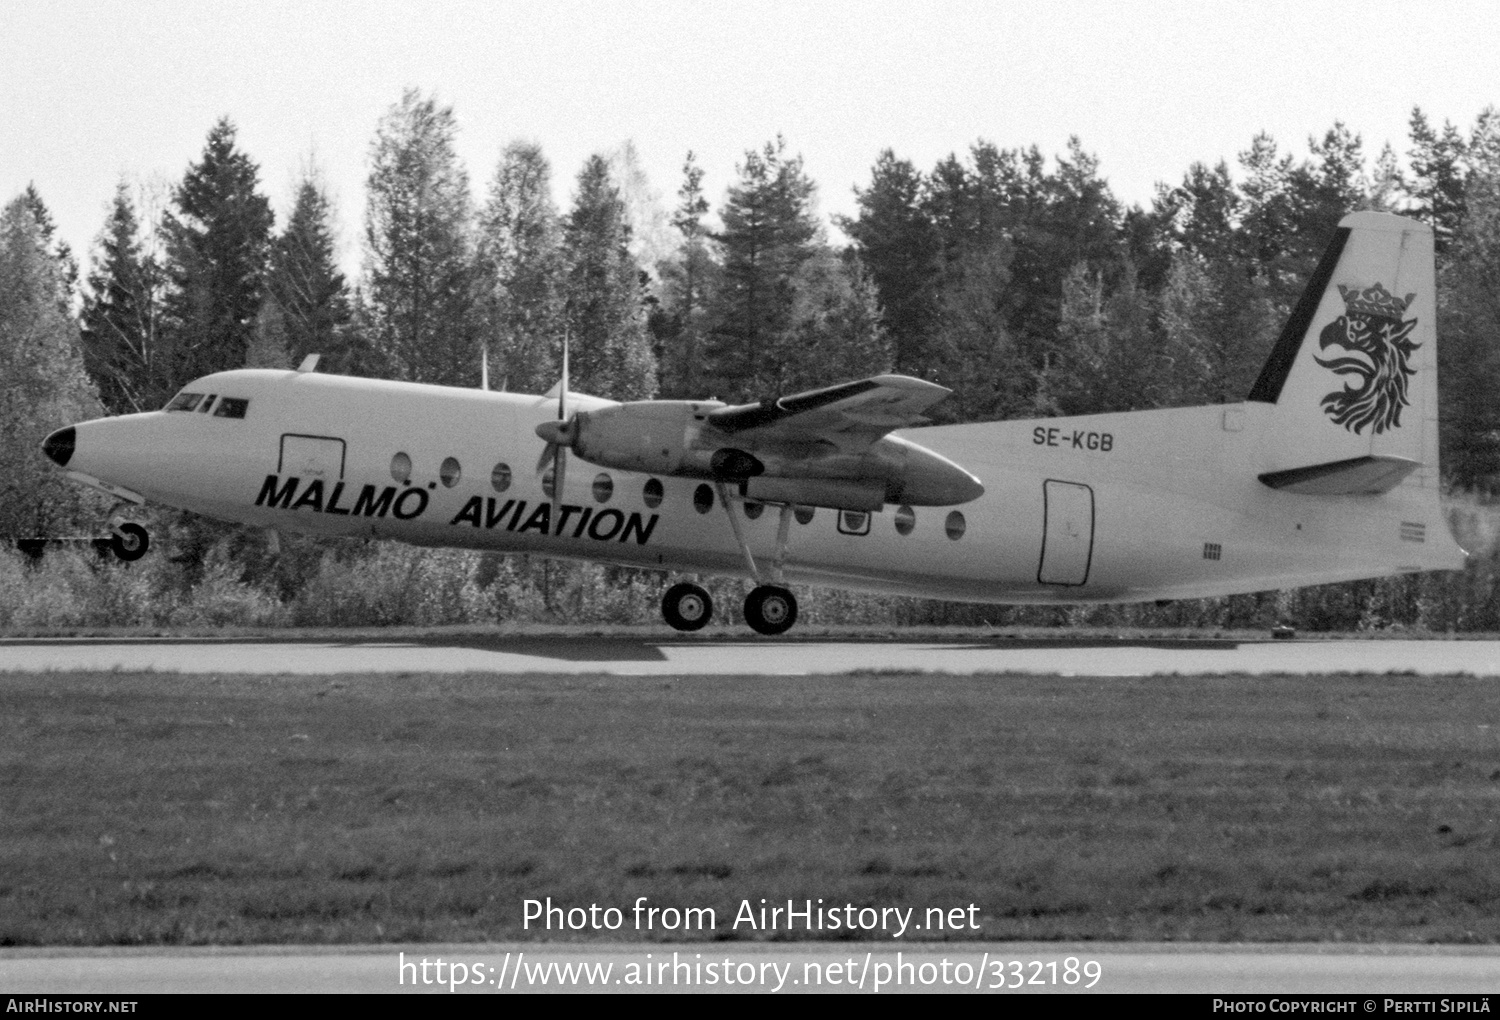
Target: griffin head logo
point(1377, 355)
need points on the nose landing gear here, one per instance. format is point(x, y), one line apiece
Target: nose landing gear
point(129, 542)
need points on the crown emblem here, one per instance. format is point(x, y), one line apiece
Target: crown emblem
point(1374, 300)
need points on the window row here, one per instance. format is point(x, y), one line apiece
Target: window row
point(851, 522)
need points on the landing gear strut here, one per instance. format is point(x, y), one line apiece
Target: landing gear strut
point(770, 609)
point(687, 607)
point(129, 542)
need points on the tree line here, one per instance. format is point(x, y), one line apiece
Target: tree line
point(1021, 283)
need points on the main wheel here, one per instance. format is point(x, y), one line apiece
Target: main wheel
point(687, 607)
point(130, 542)
point(770, 610)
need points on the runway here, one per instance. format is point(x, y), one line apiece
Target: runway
point(1462, 974)
point(563, 654)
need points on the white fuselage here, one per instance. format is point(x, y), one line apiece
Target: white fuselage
point(1118, 507)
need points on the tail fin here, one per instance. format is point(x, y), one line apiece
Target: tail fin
point(1354, 375)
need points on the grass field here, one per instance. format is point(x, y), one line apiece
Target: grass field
point(163, 809)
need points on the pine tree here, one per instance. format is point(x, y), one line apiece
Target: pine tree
point(611, 352)
point(62, 254)
point(43, 385)
point(420, 270)
point(1437, 186)
point(898, 244)
point(217, 243)
point(122, 317)
point(769, 232)
point(521, 265)
point(1268, 216)
point(1108, 353)
point(308, 307)
point(688, 282)
point(835, 324)
point(1469, 317)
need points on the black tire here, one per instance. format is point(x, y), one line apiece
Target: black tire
point(770, 610)
point(687, 607)
point(130, 542)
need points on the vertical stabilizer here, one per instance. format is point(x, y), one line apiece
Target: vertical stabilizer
point(1354, 374)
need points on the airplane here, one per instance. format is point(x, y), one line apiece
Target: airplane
point(1326, 472)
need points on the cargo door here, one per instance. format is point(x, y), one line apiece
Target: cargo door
point(1067, 533)
point(309, 457)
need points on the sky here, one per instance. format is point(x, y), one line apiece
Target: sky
point(95, 92)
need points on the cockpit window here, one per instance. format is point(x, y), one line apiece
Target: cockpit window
point(231, 407)
point(184, 401)
point(207, 403)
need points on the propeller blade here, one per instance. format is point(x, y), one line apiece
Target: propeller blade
point(559, 477)
point(562, 389)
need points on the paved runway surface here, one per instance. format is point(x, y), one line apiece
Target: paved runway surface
point(1362, 972)
point(649, 657)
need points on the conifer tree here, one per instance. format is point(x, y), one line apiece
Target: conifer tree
point(521, 265)
point(218, 238)
point(769, 232)
point(898, 244)
point(1469, 320)
point(611, 352)
point(419, 263)
point(1437, 185)
point(61, 252)
point(43, 385)
point(122, 342)
point(308, 306)
point(687, 284)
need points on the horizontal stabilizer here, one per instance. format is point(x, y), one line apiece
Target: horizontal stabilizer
point(1357, 476)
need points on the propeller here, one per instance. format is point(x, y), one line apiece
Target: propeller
point(559, 437)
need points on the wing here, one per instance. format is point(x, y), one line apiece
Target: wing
point(851, 415)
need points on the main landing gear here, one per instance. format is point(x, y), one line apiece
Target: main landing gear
point(687, 607)
point(770, 609)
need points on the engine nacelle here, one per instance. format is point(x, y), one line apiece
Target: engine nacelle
point(652, 436)
point(674, 437)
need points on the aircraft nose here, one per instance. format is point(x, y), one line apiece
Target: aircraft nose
point(59, 445)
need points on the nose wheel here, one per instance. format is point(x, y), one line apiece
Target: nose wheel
point(770, 610)
point(687, 607)
point(129, 542)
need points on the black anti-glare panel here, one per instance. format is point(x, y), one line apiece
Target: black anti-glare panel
point(1267, 388)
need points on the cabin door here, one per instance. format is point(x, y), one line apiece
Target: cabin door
point(1067, 533)
point(309, 457)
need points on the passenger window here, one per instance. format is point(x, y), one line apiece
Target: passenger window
point(804, 514)
point(450, 472)
point(753, 510)
point(703, 499)
point(954, 525)
point(231, 407)
point(604, 487)
point(906, 520)
point(184, 402)
point(401, 468)
point(652, 493)
point(500, 477)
